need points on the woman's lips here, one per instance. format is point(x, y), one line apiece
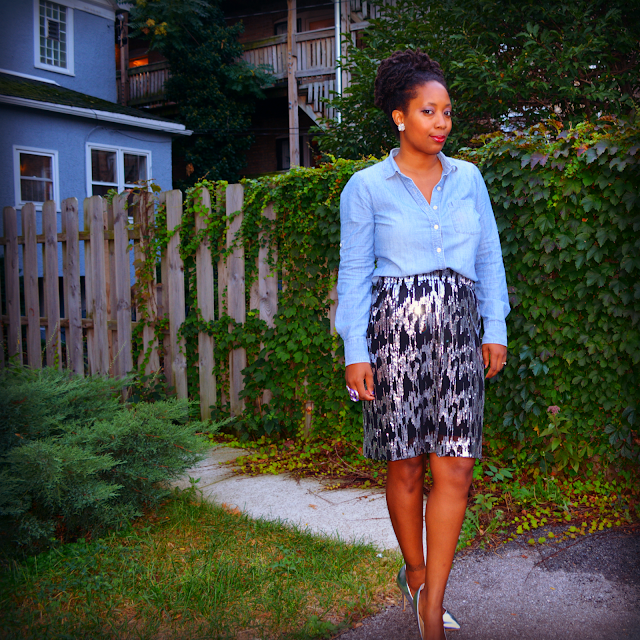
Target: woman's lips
point(439, 139)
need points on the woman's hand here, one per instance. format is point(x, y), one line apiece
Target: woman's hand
point(495, 357)
point(356, 375)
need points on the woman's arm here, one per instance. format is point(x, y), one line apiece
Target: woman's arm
point(357, 262)
point(491, 287)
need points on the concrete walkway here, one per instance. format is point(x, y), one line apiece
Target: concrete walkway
point(349, 514)
point(588, 590)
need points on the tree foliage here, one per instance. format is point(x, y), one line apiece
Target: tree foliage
point(215, 90)
point(508, 64)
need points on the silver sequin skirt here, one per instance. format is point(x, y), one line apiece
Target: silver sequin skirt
point(428, 373)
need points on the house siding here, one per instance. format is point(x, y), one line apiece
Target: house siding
point(94, 46)
point(69, 136)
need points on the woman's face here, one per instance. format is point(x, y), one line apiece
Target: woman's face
point(427, 120)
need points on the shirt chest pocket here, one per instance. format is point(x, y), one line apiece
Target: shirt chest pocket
point(464, 217)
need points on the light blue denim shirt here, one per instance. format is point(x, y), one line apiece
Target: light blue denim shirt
point(389, 229)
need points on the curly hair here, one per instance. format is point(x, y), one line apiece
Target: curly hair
point(397, 79)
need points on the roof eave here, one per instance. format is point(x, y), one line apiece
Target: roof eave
point(97, 114)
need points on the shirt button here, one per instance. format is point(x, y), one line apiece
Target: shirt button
point(435, 226)
point(439, 188)
point(438, 249)
point(435, 206)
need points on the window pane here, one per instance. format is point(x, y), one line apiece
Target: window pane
point(101, 189)
point(53, 31)
point(135, 168)
point(35, 166)
point(35, 190)
point(103, 166)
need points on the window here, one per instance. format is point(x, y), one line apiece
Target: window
point(53, 35)
point(36, 175)
point(116, 168)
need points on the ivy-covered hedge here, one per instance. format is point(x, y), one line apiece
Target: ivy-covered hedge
point(566, 202)
point(568, 210)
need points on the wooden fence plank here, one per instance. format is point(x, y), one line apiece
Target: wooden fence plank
point(122, 286)
point(96, 272)
point(267, 277)
point(12, 284)
point(206, 303)
point(236, 296)
point(176, 294)
point(51, 284)
point(31, 295)
point(72, 292)
point(267, 285)
point(88, 288)
point(143, 219)
point(110, 278)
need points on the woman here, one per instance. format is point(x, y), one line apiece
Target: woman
point(420, 228)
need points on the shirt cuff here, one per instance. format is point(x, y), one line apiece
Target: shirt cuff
point(495, 332)
point(356, 350)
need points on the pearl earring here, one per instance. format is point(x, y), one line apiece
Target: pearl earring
point(401, 126)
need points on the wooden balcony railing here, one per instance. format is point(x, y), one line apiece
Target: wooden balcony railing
point(315, 53)
point(145, 84)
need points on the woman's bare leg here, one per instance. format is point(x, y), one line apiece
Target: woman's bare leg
point(445, 511)
point(405, 482)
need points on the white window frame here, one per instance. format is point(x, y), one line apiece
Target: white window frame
point(119, 151)
point(69, 69)
point(17, 150)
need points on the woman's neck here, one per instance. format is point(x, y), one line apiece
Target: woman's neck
point(416, 162)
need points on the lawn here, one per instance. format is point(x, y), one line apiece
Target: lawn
point(196, 570)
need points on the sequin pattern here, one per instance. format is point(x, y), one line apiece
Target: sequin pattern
point(424, 345)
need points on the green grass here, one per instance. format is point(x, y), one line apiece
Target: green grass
point(195, 570)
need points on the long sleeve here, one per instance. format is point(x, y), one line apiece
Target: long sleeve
point(491, 286)
point(357, 261)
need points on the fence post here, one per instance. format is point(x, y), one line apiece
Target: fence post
point(95, 270)
point(31, 296)
point(12, 283)
point(236, 296)
point(51, 284)
point(122, 286)
point(175, 286)
point(143, 216)
point(206, 303)
point(71, 277)
point(110, 279)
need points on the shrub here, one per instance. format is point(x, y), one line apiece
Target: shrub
point(75, 461)
point(566, 203)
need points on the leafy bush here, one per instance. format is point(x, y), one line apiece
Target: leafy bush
point(567, 210)
point(76, 461)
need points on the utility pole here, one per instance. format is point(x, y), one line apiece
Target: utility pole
point(292, 85)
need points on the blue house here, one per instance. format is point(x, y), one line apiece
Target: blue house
point(62, 133)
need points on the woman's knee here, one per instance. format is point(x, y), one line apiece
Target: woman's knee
point(407, 473)
point(454, 473)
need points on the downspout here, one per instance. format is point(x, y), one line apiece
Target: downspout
point(337, 20)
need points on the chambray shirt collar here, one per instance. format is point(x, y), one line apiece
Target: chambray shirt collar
point(391, 166)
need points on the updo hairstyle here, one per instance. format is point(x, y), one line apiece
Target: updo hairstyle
point(397, 79)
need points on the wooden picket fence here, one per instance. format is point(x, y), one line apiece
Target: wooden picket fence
point(99, 341)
